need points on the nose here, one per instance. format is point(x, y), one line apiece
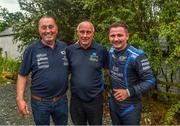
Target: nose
point(48, 29)
point(85, 34)
point(116, 38)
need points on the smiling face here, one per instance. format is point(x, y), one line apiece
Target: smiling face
point(85, 32)
point(48, 30)
point(118, 37)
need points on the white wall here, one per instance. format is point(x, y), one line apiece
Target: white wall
point(7, 45)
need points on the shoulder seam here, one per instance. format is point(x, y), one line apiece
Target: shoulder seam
point(135, 51)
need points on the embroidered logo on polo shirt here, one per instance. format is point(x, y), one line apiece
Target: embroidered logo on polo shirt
point(93, 57)
point(65, 61)
point(42, 60)
point(63, 52)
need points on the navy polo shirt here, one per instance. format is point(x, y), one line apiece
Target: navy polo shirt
point(86, 69)
point(49, 69)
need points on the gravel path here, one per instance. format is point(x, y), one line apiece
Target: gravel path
point(8, 110)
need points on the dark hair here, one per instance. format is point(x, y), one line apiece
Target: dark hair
point(115, 25)
point(48, 16)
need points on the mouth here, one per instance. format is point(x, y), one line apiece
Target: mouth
point(48, 35)
point(119, 41)
point(84, 40)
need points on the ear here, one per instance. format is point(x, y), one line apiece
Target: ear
point(127, 35)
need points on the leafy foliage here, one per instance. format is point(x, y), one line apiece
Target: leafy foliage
point(8, 69)
point(171, 113)
point(2, 25)
point(68, 14)
point(153, 26)
point(10, 18)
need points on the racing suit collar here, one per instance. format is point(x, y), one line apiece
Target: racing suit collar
point(121, 51)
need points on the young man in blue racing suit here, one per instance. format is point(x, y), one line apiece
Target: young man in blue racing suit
point(130, 76)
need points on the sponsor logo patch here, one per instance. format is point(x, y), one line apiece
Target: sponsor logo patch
point(42, 60)
point(93, 57)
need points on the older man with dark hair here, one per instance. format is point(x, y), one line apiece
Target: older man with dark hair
point(46, 59)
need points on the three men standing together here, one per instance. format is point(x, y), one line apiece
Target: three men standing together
point(50, 61)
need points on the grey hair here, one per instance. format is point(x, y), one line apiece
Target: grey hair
point(82, 23)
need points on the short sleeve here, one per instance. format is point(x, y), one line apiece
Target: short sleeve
point(25, 66)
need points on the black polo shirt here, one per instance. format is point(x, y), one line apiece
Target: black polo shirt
point(49, 69)
point(86, 65)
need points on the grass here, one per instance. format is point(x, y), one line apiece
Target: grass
point(8, 70)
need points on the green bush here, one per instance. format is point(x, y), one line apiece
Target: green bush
point(171, 113)
point(8, 69)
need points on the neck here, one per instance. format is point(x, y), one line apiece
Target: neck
point(120, 49)
point(50, 44)
point(85, 46)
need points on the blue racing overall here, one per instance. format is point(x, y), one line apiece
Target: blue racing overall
point(129, 69)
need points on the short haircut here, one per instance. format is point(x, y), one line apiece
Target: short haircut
point(115, 25)
point(48, 16)
point(83, 22)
